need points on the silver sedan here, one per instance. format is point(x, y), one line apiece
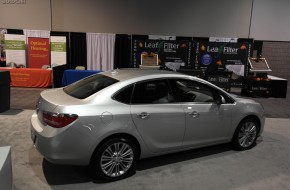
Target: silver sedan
point(112, 119)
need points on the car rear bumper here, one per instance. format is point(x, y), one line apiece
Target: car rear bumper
point(70, 148)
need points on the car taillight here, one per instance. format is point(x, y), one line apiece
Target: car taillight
point(58, 120)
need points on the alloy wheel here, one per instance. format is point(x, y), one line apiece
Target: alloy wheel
point(247, 134)
point(117, 159)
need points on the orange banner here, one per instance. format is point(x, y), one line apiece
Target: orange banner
point(38, 52)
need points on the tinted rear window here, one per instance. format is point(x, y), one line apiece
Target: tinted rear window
point(124, 95)
point(88, 86)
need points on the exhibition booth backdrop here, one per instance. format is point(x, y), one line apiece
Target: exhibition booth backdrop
point(222, 61)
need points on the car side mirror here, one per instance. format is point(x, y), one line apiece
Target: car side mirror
point(220, 100)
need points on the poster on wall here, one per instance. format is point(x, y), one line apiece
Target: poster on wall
point(171, 54)
point(221, 57)
point(38, 52)
point(15, 50)
point(58, 50)
point(149, 59)
point(2, 46)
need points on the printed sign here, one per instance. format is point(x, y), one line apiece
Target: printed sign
point(170, 53)
point(38, 52)
point(15, 50)
point(58, 50)
point(220, 57)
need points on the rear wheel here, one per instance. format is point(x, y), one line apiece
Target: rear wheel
point(116, 159)
point(246, 134)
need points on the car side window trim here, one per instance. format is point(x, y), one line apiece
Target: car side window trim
point(216, 92)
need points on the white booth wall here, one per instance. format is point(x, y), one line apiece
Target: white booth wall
point(202, 18)
point(258, 19)
point(267, 20)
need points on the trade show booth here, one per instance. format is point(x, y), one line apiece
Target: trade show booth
point(225, 62)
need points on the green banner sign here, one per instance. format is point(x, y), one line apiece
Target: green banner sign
point(14, 45)
point(58, 46)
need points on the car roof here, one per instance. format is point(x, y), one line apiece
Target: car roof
point(125, 74)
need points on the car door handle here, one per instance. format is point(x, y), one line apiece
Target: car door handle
point(193, 114)
point(143, 115)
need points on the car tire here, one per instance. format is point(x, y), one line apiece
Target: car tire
point(246, 134)
point(115, 159)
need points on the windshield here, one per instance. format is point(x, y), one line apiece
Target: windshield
point(88, 86)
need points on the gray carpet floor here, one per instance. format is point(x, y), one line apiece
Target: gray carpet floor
point(24, 98)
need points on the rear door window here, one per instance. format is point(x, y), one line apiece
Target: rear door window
point(89, 86)
point(152, 92)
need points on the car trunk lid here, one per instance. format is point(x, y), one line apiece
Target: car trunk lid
point(50, 99)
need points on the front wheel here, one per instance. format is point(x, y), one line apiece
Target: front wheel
point(115, 159)
point(246, 135)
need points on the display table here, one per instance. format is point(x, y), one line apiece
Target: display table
point(255, 88)
point(71, 76)
point(4, 91)
point(220, 79)
point(29, 77)
point(273, 87)
point(277, 87)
